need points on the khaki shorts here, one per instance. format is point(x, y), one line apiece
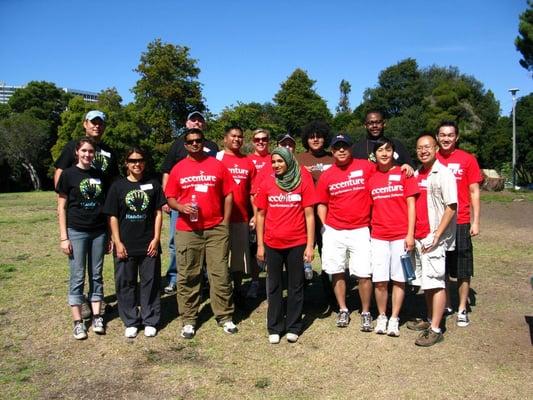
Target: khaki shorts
point(430, 267)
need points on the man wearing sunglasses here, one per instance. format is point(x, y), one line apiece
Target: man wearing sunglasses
point(195, 120)
point(201, 188)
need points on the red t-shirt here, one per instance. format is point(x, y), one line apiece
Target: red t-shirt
point(422, 228)
point(284, 211)
point(389, 191)
point(466, 170)
point(260, 161)
point(210, 180)
point(267, 171)
point(243, 172)
point(344, 191)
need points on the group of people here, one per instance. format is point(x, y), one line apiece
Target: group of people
point(363, 205)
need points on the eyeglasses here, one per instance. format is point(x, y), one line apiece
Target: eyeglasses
point(194, 141)
point(135, 160)
point(261, 139)
point(427, 147)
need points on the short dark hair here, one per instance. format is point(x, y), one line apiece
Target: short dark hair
point(382, 141)
point(449, 123)
point(84, 140)
point(232, 127)
point(193, 131)
point(321, 128)
point(426, 133)
point(375, 111)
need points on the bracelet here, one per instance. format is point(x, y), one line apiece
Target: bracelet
point(63, 240)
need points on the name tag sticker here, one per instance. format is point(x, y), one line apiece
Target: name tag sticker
point(424, 183)
point(94, 181)
point(356, 173)
point(206, 149)
point(294, 197)
point(396, 155)
point(147, 186)
point(395, 178)
point(105, 153)
point(201, 188)
point(327, 166)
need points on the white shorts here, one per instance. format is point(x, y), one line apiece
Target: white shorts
point(385, 256)
point(430, 267)
point(346, 247)
point(239, 248)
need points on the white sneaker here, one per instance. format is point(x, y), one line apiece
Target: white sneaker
point(187, 332)
point(273, 339)
point(150, 331)
point(381, 325)
point(462, 318)
point(292, 337)
point(393, 329)
point(131, 332)
point(230, 327)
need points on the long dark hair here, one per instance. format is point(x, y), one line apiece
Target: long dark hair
point(146, 156)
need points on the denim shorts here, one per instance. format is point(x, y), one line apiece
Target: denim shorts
point(88, 249)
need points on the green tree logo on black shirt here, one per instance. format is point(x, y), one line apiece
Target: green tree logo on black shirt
point(137, 200)
point(91, 191)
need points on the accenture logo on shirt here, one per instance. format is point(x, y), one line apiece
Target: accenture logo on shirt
point(387, 189)
point(238, 171)
point(285, 198)
point(198, 179)
point(350, 183)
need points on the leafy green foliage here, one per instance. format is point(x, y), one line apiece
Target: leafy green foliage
point(344, 102)
point(524, 42)
point(298, 103)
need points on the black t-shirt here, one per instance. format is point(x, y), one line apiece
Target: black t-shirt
point(85, 190)
point(364, 150)
point(178, 152)
point(105, 159)
point(135, 205)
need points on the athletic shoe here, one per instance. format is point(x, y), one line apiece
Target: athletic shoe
point(428, 338)
point(366, 322)
point(170, 288)
point(273, 339)
point(98, 325)
point(343, 318)
point(381, 325)
point(393, 328)
point(230, 327)
point(448, 311)
point(292, 337)
point(79, 331)
point(150, 331)
point(131, 332)
point(418, 324)
point(462, 318)
point(187, 332)
point(253, 290)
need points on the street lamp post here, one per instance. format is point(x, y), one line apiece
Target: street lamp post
point(513, 93)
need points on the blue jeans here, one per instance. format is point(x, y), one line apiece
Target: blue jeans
point(88, 249)
point(172, 271)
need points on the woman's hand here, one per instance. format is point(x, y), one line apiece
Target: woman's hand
point(409, 243)
point(309, 254)
point(260, 253)
point(153, 248)
point(121, 251)
point(66, 247)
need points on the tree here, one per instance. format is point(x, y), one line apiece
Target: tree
point(297, 103)
point(167, 91)
point(524, 42)
point(524, 139)
point(23, 137)
point(344, 102)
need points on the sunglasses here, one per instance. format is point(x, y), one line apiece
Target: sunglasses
point(194, 141)
point(261, 139)
point(135, 160)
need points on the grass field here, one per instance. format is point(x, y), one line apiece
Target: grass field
point(491, 359)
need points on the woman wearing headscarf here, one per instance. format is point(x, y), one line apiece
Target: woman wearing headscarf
point(285, 237)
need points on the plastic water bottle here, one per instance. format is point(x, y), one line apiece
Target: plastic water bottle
point(194, 204)
point(308, 270)
point(407, 267)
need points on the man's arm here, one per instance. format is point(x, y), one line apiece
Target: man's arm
point(322, 211)
point(57, 174)
point(228, 203)
point(476, 207)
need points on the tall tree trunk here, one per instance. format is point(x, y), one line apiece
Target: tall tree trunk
point(36, 182)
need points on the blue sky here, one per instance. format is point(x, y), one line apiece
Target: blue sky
point(245, 49)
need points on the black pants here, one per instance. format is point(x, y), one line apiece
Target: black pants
point(292, 258)
point(126, 271)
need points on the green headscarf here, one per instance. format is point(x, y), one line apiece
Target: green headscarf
point(292, 178)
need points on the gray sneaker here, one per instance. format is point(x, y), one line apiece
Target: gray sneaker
point(366, 322)
point(79, 331)
point(343, 319)
point(98, 325)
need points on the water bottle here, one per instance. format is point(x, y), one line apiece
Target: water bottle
point(308, 270)
point(407, 267)
point(262, 265)
point(193, 217)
